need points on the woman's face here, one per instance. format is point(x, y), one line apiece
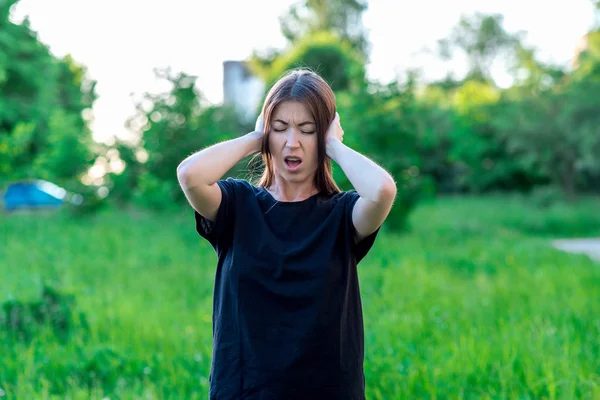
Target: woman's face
point(293, 142)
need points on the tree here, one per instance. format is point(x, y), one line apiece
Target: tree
point(551, 125)
point(530, 74)
point(43, 133)
point(325, 53)
point(555, 132)
point(382, 122)
point(483, 39)
point(171, 125)
point(343, 17)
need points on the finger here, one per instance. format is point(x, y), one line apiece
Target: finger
point(259, 126)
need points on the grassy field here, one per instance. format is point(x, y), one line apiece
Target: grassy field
point(472, 303)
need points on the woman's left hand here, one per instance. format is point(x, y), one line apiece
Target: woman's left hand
point(335, 131)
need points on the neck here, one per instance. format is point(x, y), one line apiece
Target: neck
point(283, 190)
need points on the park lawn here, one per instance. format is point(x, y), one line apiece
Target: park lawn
point(471, 303)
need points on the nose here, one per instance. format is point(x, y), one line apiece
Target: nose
point(292, 139)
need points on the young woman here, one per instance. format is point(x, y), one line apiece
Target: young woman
point(287, 316)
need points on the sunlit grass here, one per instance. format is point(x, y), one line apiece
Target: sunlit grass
point(472, 303)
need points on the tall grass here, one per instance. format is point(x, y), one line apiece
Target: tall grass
point(471, 303)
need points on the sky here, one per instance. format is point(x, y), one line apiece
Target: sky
point(122, 41)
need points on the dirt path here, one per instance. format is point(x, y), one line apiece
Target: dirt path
point(590, 246)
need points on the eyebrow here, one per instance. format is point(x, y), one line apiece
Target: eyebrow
point(300, 124)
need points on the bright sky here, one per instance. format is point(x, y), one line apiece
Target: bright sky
point(121, 41)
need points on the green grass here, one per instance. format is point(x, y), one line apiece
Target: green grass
point(472, 303)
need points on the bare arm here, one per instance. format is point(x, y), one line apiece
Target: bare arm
point(198, 173)
point(375, 186)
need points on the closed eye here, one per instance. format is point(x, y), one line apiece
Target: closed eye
point(283, 130)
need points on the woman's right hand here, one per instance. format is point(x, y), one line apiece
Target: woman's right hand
point(260, 124)
point(258, 133)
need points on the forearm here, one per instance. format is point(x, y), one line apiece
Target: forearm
point(370, 180)
point(207, 166)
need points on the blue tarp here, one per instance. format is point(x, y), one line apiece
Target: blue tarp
point(33, 194)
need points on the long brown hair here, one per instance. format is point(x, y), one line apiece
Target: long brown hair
point(307, 87)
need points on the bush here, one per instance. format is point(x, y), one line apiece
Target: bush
point(325, 53)
point(55, 310)
point(380, 122)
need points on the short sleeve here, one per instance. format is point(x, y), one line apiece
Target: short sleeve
point(219, 231)
point(360, 249)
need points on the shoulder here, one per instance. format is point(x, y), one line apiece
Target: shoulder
point(345, 202)
point(344, 199)
point(237, 187)
point(233, 182)
point(340, 203)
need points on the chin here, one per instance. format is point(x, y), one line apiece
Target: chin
point(295, 177)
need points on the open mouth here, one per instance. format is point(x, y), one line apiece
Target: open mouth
point(292, 162)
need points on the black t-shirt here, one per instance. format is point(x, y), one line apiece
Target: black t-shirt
point(287, 314)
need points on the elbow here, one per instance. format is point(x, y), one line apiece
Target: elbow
point(387, 191)
point(189, 179)
point(180, 171)
point(183, 176)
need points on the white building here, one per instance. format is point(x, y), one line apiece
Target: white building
point(242, 89)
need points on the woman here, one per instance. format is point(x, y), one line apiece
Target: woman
point(287, 317)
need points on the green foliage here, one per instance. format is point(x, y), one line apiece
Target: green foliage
point(546, 196)
point(14, 146)
point(68, 154)
point(122, 184)
point(482, 38)
point(555, 131)
point(451, 136)
point(306, 18)
point(326, 54)
point(22, 320)
point(459, 148)
point(92, 199)
point(540, 131)
point(481, 154)
point(43, 133)
point(342, 17)
point(530, 74)
point(435, 128)
point(173, 125)
point(381, 122)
